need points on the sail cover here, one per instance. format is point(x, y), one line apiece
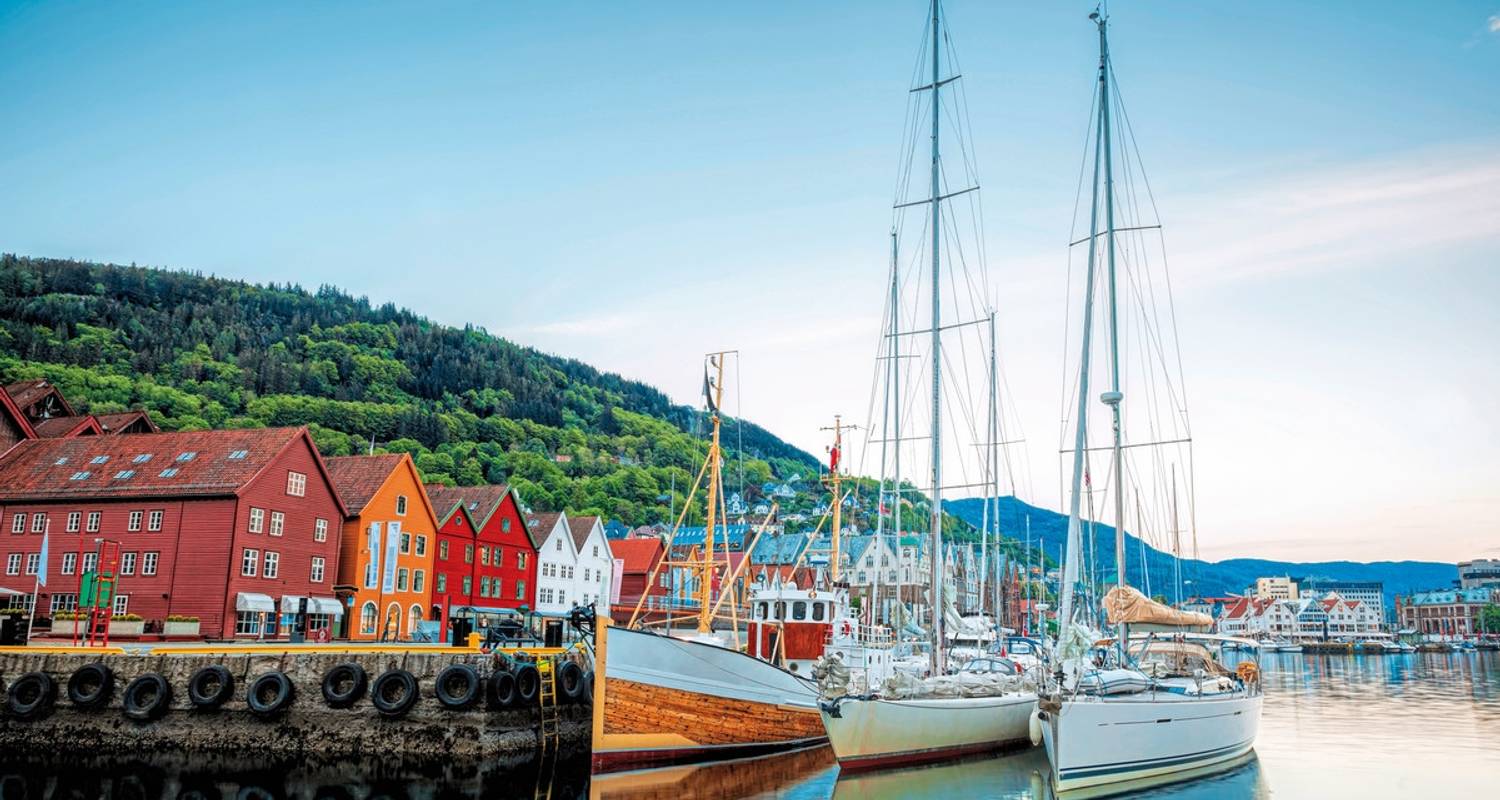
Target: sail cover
point(1125, 604)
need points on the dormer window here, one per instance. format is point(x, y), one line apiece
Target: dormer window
point(401, 504)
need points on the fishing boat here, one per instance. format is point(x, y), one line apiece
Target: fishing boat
point(1157, 704)
point(664, 697)
point(944, 715)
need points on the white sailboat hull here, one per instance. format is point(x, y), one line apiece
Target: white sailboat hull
point(1149, 737)
point(869, 733)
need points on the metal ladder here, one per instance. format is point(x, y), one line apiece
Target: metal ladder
point(547, 701)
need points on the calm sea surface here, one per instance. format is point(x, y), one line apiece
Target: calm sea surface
point(1422, 725)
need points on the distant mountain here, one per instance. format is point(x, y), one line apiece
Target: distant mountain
point(1050, 529)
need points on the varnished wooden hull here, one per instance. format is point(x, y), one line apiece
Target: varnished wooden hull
point(664, 701)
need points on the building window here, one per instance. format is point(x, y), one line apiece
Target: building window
point(402, 575)
point(468, 554)
point(75, 518)
point(18, 523)
point(401, 505)
point(405, 543)
point(320, 530)
point(544, 596)
point(249, 562)
point(559, 546)
point(99, 460)
point(64, 602)
point(596, 551)
point(238, 455)
point(468, 585)
point(273, 563)
point(418, 579)
point(484, 556)
point(520, 561)
point(168, 472)
point(90, 561)
point(135, 521)
point(148, 562)
point(442, 583)
point(187, 456)
point(122, 604)
point(13, 564)
point(69, 562)
point(367, 614)
point(81, 475)
point(33, 563)
point(153, 522)
point(257, 520)
point(484, 586)
point(296, 484)
point(585, 573)
point(317, 569)
point(505, 525)
point(443, 550)
point(278, 523)
point(421, 545)
point(520, 590)
point(562, 596)
point(38, 522)
point(247, 623)
point(93, 525)
point(127, 563)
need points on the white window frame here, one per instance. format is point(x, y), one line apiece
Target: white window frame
point(135, 521)
point(257, 520)
point(149, 560)
point(33, 563)
point(272, 566)
point(127, 563)
point(69, 563)
point(120, 605)
point(153, 520)
point(38, 521)
point(13, 564)
point(418, 580)
point(75, 519)
point(247, 623)
point(94, 519)
point(249, 562)
point(90, 562)
point(18, 522)
point(318, 569)
point(320, 530)
point(296, 483)
point(278, 523)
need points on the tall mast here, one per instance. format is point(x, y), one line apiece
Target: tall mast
point(707, 566)
point(1113, 397)
point(1027, 585)
point(1080, 439)
point(885, 440)
point(835, 482)
point(1176, 541)
point(992, 506)
point(936, 522)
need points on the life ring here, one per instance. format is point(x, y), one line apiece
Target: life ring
point(847, 628)
point(210, 687)
point(270, 694)
point(812, 594)
point(344, 685)
point(528, 683)
point(147, 698)
point(394, 692)
point(32, 695)
point(502, 689)
point(91, 685)
point(320, 635)
point(1248, 671)
point(570, 681)
point(457, 686)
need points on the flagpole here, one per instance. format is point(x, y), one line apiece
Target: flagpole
point(41, 570)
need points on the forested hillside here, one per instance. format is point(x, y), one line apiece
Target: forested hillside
point(202, 352)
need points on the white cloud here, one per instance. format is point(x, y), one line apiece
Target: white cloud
point(1495, 23)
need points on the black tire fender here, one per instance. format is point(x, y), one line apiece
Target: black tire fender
point(344, 684)
point(394, 692)
point(31, 696)
point(210, 687)
point(502, 689)
point(528, 683)
point(270, 694)
point(148, 697)
point(458, 686)
point(91, 686)
point(570, 681)
point(588, 688)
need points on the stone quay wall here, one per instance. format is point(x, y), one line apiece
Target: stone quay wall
point(308, 727)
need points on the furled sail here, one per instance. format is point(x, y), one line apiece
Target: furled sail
point(1126, 604)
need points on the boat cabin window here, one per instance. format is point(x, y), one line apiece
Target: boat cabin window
point(760, 610)
point(818, 612)
point(799, 610)
point(780, 609)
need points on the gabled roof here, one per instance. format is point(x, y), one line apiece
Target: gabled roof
point(185, 463)
point(358, 478)
point(61, 427)
point(481, 502)
point(119, 423)
point(27, 393)
point(581, 527)
point(637, 555)
point(541, 524)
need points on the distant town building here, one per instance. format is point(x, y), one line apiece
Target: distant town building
point(1371, 593)
point(1481, 573)
point(1445, 612)
point(1282, 588)
point(486, 556)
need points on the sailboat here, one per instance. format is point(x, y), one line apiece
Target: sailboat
point(667, 698)
point(927, 722)
point(1160, 706)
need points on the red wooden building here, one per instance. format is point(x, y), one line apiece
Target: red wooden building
point(233, 527)
point(635, 558)
point(486, 558)
point(36, 409)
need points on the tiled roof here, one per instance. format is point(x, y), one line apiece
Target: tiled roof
point(24, 393)
point(479, 501)
point(541, 523)
point(358, 478)
point(57, 427)
point(581, 527)
point(638, 555)
point(696, 535)
point(152, 464)
point(112, 423)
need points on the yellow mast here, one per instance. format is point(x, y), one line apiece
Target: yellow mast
point(707, 565)
point(835, 482)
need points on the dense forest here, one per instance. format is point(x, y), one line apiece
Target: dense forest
point(201, 352)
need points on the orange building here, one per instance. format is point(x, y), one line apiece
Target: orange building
point(386, 554)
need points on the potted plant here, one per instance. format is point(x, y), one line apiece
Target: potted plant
point(127, 625)
point(180, 625)
point(69, 622)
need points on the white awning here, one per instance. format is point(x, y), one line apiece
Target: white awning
point(315, 605)
point(249, 601)
point(289, 603)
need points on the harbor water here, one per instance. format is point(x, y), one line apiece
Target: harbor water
point(1418, 725)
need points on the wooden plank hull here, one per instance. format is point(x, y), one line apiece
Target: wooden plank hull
point(664, 701)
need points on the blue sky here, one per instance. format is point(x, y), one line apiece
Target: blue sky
point(633, 184)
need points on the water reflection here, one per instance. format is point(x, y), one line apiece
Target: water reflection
point(1421, 724)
